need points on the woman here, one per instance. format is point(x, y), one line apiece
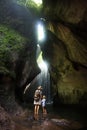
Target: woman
point(37, 99)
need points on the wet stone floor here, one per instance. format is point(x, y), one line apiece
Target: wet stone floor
point(51, 121)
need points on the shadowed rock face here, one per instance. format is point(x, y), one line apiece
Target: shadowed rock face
point(67, 53)
point(18, 46)
point(5, 120)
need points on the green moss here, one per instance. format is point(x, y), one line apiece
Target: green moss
point(9, 39)
point(10, 42)
point(31, 5)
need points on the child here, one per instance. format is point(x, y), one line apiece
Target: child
point(43, 102)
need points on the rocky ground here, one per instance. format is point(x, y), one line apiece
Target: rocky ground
point(27, 121)
point(46, 122)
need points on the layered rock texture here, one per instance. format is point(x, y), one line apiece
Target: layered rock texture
point(17, 52)
point(5, 120)
point(67, 23)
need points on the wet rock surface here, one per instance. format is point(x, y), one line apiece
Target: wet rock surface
point(46, 122)
point(56, 119)
point(6, 123)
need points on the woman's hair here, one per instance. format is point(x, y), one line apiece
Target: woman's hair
point(40, 88)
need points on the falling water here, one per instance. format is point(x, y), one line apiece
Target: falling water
point(44, 80)
point(46, 86)
point(44, 77)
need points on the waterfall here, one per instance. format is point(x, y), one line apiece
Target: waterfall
point(46, 86)
point(44, 77)
point(44, 80)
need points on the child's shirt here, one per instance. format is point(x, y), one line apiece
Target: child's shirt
point(43, 102)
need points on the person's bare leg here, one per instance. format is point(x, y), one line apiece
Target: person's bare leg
point(37, 109)
point(35, 116)
point(45, 111)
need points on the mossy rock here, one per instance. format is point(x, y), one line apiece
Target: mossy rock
point(10, 42)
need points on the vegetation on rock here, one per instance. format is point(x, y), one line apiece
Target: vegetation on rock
point(10, 42)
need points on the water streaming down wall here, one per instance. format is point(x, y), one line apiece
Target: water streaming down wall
point(46, 86)
point(44, 81)
point(44, 77)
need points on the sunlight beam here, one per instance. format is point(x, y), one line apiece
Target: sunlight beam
point(42, 64)
point(38, 2)
point(40, 32)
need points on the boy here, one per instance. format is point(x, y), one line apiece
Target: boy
point(43, 102)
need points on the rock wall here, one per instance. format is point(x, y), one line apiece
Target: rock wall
point(67, 22)
point(17, 52)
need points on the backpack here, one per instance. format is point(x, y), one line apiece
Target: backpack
point(37, 95)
